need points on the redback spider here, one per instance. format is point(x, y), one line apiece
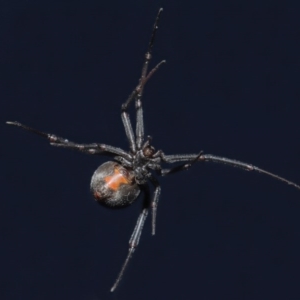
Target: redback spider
point(118, 183)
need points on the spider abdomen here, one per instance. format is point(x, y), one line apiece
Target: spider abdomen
point(114, 186)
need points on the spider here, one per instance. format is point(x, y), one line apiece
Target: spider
point(117, 183)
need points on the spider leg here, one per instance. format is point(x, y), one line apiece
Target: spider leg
point(144, 78)
point(137, 94)
point(226, 161)
point(154, 202)
point(123, 161)
point(135, 237)
point(245, 166)
point(182, 167)
point(57, 141)
point(127, 125)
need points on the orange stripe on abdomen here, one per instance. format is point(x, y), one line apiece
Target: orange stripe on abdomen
point(114, 181)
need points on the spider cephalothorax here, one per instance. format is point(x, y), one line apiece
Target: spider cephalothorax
point(118, 183)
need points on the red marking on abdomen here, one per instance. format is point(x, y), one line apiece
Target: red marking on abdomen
point(114, 181)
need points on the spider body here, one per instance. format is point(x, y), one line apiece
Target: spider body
point(118, 183)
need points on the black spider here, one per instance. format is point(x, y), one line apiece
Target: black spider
point(118, 183)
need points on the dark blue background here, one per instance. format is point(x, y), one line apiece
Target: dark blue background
point(230, 87)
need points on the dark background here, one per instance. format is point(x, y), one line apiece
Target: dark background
point(230, 87)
